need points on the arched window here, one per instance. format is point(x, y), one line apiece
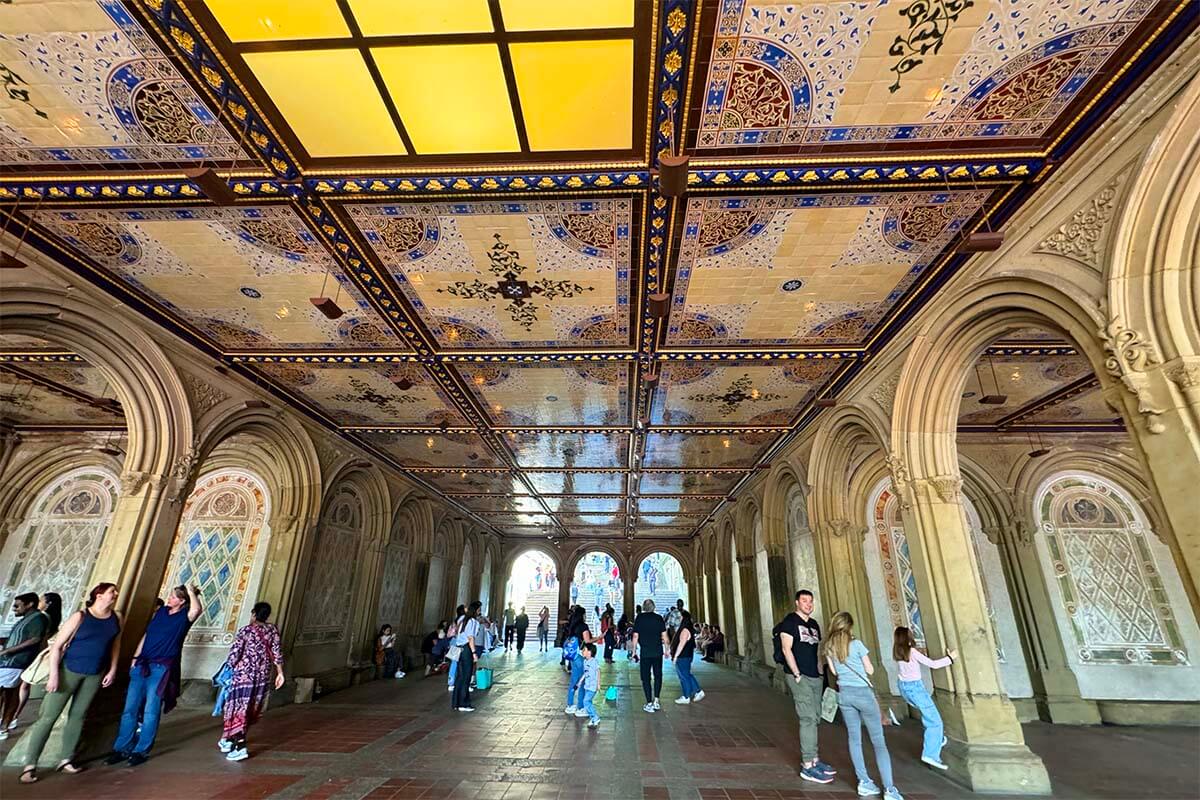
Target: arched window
point(215, 547)
point(331, 580)
point(55, 549)
point(1107, 576)
point(395, 582)
point(899, 585)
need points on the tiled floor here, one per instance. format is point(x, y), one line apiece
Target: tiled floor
point(398, 739)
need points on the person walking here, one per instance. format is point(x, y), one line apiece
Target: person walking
point(908, 661)
point(521, 623)
point(94, 636)
point(589, 684)
point(684, 650)
point(800, 639)
point(154, 678)
point(578, 634)
point(850, 662)
point(650, 641)
point(468, 637)
point(51, 606)
point(256, 654)
point(543, 629)
point(24, 643)
point(673, 617)
point(608, 631)
point(510, 628)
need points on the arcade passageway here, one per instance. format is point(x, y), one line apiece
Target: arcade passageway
point(398, 740)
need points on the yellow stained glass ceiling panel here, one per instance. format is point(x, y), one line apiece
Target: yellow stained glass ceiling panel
point(460, 104)
point(330, 101)
point(274, 20)
point(420, 17)
point(556, 15)
point(576, 95)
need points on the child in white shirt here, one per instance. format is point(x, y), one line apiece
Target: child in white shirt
point(589, 683)
point(909, 660)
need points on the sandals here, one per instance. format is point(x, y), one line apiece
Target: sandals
point(69, 768)
point(29, 775)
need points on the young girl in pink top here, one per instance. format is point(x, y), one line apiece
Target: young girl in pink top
point(909, 660)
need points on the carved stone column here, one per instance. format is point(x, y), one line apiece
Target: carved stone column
point(366, 602)
point(1055, 688)
point(987, 750)
point(752, 636)
point(1161, 404)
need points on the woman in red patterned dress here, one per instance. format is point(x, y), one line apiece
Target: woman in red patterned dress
point(255, 654)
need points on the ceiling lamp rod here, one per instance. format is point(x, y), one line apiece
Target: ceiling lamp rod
point(996, 399)
point(212, 185)
point(327, 305)
point(672, 166)
point(13, 261)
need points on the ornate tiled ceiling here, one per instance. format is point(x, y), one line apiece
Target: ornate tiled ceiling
point(522, 319)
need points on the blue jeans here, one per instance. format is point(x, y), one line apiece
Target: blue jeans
point(859, 708)
point(587, 705)
point(917, 696)
point(576, 674)
point(687, 681)
point(142, 696)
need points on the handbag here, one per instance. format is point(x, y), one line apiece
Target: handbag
point(829, 704)
point(38, 671)
point(454, 652)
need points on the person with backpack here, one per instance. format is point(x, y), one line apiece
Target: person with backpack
point(908, 662)
point(850, 663)
point(577, 633)
point(796, 640)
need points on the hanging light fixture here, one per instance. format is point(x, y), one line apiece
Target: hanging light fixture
point(327, 305)
point(996, 399)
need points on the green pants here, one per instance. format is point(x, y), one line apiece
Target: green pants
point(79, 690)
point(807, 697)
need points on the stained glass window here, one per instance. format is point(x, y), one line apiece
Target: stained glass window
point(1106, 574)
point(215, 547)
point(55, 548)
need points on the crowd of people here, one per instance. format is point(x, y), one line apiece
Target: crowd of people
point(76, 657)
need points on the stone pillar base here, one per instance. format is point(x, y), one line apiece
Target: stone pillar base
point(1069, 710)
point(996, 768)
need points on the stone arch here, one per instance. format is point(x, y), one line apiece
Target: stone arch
point(1153, 286)
point(158, 446)
point(1115, 591)
point(616, 595)
point(58, 534)
point(925, 418)
point(738, 634)
point(548, 596)
point(280, 451)
point(641, 590)
point(343, 568)
point(466, 578)
point(786, 500)
point(850, 439)
point(221, 544)
point(28, 480)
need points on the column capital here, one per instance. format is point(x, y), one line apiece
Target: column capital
point(939, 488)
point(1129, 357)
point(133, 480)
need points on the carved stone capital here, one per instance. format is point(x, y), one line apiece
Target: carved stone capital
point(1021, 531)
point(901, 482)
point(183, 472)
point(1185, 373)
point(993, 533)
point(1128, 357)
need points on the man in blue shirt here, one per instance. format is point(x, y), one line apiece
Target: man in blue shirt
point(154, 675)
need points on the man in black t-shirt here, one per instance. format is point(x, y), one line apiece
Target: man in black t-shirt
point(650, 631)
point(800, 636)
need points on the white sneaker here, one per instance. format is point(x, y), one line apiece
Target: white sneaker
point(696, 698)
point(933, 762)
point(224, 745)
point(466, 708)
point(648, 708)
point(3, 733)
point(237, 755)
point(893, 794)
point(868, 788)
point(570, 710)
point(451, 689)
point(892, 716)
point(595, 723)
point(657, 705)
point(12, 726)
point(682, 701)
point(582, 712)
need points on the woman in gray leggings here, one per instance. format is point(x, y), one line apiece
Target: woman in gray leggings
point(850, 662)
